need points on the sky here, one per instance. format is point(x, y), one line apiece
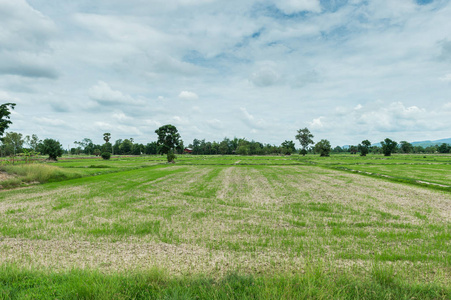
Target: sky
point(348, 70)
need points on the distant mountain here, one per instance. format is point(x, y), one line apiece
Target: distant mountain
point(422, 143)
point(432, 143)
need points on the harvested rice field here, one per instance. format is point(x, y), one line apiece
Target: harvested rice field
point(324, 232)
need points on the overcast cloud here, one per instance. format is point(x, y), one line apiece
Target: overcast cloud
point(347, 70)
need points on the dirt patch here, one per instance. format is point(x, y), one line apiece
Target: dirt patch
point(59, 255)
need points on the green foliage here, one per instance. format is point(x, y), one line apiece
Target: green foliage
point(51, 147)
point(406, 147)
point(288, 147)
point(171, 156)
point(35, 173)
point(388, 146)
point(5, 116)
point(444, 148)
point(168, 139)
point(12, 143)
point(243, 150)
point(107, 137)
point(107, 147)
point(323, 148)
point(305, 138)
point(96, 152)
point(364, 147)
point(106, 155)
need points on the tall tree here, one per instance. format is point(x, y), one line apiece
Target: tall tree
point(106, 137)
point(168, 140)
point(4, 116)
point(305, 139)
point(388, 146)
point(364, 147)
point(13, 143)
point(32, 141)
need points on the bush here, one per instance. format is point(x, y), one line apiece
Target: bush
point(106, 155)
point(171, 156)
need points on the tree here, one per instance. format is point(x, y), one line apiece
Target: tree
point(4, 116)
point(388, 146)
point(444, 148)
point(52, 147)
point(32, 141)
point(12, 143)
point(126, 146)
point(323, 148)
point(106, 137)
point(406, 147)
point(305, 139)
point(289, 147)
point(168, 140)
point(364, 147)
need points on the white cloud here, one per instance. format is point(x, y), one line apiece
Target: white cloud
point(316, 123)
point(188, 95)
point(250, 120)
point(266, 75)
point(295, 6)
point(121, 117)
point(104, 94)
point(48, 121)
point(446, 78)
point(215, 123)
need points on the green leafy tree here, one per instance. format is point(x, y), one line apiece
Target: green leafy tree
point(323, 148)
point(12, 143)
point(388, 146)
point(444, 148)
point(126, 146)
point(305, 139)
point(96, 152)
point(168, 140)
point(4, 116)
point(51, 147)
point(289, 147)
point(151, 148)
point(338, 149)
point(364, 147)
point(406, 147)
point(32, 141)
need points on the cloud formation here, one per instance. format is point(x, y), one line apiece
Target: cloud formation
point(348, 70)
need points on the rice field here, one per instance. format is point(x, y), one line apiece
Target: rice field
point(262, 219)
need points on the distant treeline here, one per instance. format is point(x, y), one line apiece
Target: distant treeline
point(15, 143)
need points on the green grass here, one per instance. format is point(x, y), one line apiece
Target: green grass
point(265, 227)
point(314, 283)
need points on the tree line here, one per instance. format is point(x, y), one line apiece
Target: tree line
point(169, 142)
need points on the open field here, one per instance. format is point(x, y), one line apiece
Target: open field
point(295, 225)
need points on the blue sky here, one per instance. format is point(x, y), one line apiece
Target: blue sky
point(347, 70)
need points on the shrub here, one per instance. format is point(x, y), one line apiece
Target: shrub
point(106, 155)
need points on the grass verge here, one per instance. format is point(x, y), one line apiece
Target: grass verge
point(40, 173)
point(314, 283)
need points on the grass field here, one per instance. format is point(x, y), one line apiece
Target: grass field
point(231, 227)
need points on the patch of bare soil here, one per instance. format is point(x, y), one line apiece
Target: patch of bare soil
point(5, 176)
point(59, 255)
